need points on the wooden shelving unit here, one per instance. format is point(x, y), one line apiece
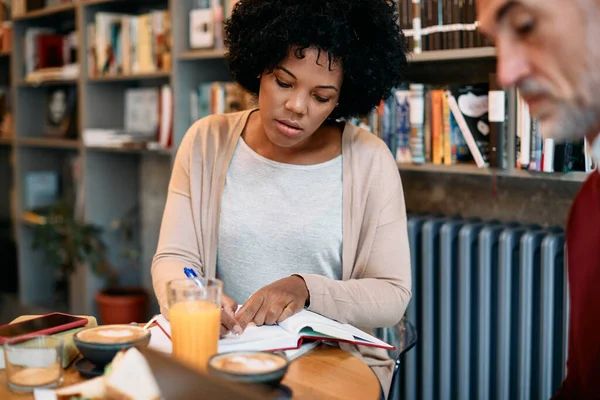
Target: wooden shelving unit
point(136, 77)
point(120, 150)
point(48, 143)
point(47, 82)
point(454, 55)
point(472, 169)
point(115, 180)
point(47, 12)
point(192, 55)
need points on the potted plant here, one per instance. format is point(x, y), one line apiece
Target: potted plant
point(69, 243)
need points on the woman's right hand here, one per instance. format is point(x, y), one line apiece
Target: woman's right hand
point(228, 322)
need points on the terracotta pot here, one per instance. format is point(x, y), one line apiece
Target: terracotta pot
point(122, 305)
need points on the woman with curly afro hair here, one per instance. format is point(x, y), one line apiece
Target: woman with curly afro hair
point(289, 205)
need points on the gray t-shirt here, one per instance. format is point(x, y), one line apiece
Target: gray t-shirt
point(276, 220)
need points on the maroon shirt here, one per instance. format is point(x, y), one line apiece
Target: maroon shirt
point(583, 263)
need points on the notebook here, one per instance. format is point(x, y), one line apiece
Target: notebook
point(287, 335)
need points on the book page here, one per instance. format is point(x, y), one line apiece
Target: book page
point(259, 338)
point(254, 333)
point(299, 322)
point(308, 323)
point(361, 336)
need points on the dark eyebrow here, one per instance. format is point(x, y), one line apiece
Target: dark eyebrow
point(502, 11)
point(319, 87)
point(287, 72)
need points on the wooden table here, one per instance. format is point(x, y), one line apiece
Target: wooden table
point(323, 373)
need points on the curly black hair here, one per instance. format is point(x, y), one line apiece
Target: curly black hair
point(363, 34)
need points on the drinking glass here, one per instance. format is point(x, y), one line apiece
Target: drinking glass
point(33, 362)
point(195, 317)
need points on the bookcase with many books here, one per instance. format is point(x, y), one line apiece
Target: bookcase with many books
point(98, 119)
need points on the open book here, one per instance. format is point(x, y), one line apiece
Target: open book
point(287, 335)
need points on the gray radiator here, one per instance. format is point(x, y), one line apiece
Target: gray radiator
point(490, 306)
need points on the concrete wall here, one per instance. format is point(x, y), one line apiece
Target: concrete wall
point(535, 201)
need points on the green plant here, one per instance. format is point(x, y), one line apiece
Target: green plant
point(68, 243)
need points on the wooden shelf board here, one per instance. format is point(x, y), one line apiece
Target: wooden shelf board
point(5, 53)
point(7, 141)
point(135, 77)
point(574, 176)
point(201, 54)
point(45, 12)
point(94, 2)
point(107, 149)
point(453, 55)
point(48, 142)
point(49, 82)
point(471, 169)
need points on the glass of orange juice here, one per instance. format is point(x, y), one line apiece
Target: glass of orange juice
point(195, 317)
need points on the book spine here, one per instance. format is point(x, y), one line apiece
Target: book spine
point(437, 127)
point(417, 26)
point(417, 115)
point(496, 116)
point(464, 128)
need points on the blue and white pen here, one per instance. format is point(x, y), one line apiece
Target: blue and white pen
point(190, 273)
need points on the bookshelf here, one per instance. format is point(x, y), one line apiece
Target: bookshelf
point(454, 55)
point(469, 169)
point(50, 12)
point(193, 55)
point(116, 180)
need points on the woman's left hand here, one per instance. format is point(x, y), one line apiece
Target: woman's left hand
point(274, 303)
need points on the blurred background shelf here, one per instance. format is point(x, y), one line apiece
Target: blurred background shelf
point(191, 55)
point(133, 77)
point(454, 55)
point(46, 12)
point(48, 142)
point(116, 180)
point(47, 82)
point(472, 169)
point(106, 149)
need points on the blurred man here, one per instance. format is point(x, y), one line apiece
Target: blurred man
point(550, 51)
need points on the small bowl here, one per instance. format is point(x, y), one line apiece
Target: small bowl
point(102, 353)
point(270, 377)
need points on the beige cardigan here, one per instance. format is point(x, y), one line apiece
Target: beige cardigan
point(376, 283)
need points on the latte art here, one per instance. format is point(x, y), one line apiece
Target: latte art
point(248, 363)
point(112, 334)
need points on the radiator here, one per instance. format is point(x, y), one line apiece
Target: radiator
point(490, 306)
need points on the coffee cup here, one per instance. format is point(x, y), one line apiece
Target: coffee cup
point(100, 344)
point(250, 367)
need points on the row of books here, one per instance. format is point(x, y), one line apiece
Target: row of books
point(440, 24)
point(148, 121)
point(467, 124)
point(535, 153)
point(49, 49)
point(206, 28)
point(218, 98)
point(124, 44)
point(440, 125)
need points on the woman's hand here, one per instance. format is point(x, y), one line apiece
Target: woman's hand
point(228, 322)
point(274, 303)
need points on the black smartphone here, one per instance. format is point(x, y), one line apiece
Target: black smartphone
point(43, 325)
